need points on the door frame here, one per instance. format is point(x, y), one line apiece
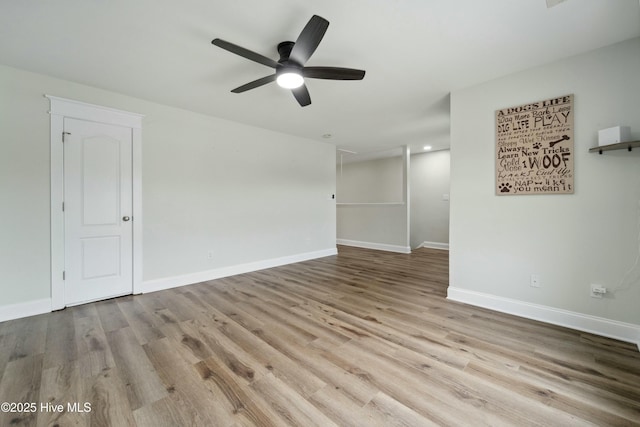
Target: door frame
point(59, 109)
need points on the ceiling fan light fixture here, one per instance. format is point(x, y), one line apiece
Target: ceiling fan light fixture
point(290, 80)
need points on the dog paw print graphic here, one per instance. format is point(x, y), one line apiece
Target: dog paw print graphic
point(505, 187)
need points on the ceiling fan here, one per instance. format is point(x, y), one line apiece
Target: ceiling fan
point(289, 69)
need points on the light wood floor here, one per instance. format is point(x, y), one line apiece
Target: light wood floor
point(364, 338)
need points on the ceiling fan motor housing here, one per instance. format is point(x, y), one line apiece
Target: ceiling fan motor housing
point(284, 64)
point(284, 49)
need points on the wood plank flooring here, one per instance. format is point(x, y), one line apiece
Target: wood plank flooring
point(364, 338)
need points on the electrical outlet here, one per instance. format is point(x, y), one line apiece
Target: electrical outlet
point(597, 291)
point(535, 281)
point(210, 255)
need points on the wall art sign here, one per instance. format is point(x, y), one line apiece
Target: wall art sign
point(534, 148)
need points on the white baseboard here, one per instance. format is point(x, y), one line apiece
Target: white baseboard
point(582, 322)
point(376, 246)
point(25, 309)
point(435, 245)
point(218, 273)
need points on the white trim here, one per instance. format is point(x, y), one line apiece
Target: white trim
point(218, 273)
point(582, 322)
point(57, 216)
point(371, 204)
point(136, 177)
point(376, 246)
point(406, 193)
point(435, 245)
point(61, 108)
point(25, 309)
point(94, 113)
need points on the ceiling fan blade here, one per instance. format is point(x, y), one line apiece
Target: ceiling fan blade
point(302, 95)
point(254, 84)
point(309, 39)
point(333, 73)
point(245, 53)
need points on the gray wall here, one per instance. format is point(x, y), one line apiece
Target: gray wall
point(244, 193)
point(371, 181)
point(373, 209)
point(429, 212)
point(573, 240)
point(365, 186)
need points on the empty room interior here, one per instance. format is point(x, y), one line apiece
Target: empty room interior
point(363, 213)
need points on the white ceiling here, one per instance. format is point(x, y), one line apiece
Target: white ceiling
point(415, 52)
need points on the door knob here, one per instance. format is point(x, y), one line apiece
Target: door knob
point(125, 218)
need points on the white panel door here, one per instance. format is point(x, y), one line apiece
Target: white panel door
point(97, 210)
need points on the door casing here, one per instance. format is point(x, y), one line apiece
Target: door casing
point(59, 109)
